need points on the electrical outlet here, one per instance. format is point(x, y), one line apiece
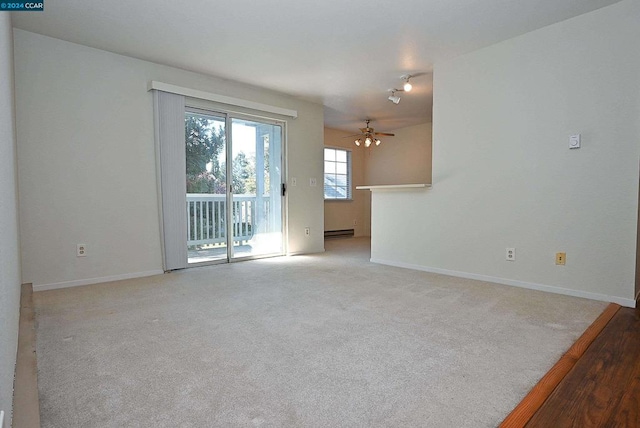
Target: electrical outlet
point(561, 258)
point(355, 222)
point(511, 254)
point(312, 182)
point(307, 231)
point(294, 182)
point(81, 250)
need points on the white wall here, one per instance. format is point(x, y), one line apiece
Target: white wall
point(339, 215)
point(503, 175)
point(87, 162)
point(9, 246)
point(403, 159)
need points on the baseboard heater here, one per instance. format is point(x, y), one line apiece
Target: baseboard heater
point(344, 233)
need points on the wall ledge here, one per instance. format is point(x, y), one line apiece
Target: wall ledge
point(394, 187)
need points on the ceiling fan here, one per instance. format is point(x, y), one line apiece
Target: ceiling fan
point(368, 136)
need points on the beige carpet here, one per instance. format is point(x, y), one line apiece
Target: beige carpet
point(326, 340)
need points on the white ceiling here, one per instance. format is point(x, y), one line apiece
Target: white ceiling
point(343, 54)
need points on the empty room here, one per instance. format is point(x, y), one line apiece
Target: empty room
point(411, 213)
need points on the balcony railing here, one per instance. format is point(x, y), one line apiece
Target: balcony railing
point(207, 222)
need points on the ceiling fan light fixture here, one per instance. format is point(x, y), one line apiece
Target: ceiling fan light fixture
point(368, 136)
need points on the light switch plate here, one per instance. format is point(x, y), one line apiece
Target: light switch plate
point(574, 141)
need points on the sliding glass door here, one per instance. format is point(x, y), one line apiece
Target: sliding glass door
point(234, 176)
point(256, 188)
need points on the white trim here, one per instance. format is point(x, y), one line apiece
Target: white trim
point(89, 281)
point(329, 146)
point(223, 99)
point(631, 303)
point(393, 187)
point(194, 105)
point(349, 162)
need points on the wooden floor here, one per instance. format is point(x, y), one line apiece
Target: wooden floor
point(601, 389)
point(26, 407)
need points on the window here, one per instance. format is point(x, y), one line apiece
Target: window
point(337, 174)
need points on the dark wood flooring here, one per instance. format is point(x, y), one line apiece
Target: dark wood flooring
point(603, 387)
point(595, 384)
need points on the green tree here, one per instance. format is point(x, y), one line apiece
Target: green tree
point(204, 143)
point(242, 173)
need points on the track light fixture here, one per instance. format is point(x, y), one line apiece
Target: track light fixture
point(407, 85)
point(393, 98)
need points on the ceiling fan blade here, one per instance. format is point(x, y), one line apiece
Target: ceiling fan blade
point(369, 132)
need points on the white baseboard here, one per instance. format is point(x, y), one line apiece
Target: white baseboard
point(89, 281)
point(631, 303)
point(305, 253)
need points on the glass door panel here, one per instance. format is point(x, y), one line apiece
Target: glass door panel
point(256, 188)
point(206, 174)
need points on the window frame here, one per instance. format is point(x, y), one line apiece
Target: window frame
point(349, 174)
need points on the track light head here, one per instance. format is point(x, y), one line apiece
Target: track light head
point(393, 98)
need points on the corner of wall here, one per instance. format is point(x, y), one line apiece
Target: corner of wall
point(10, 275)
